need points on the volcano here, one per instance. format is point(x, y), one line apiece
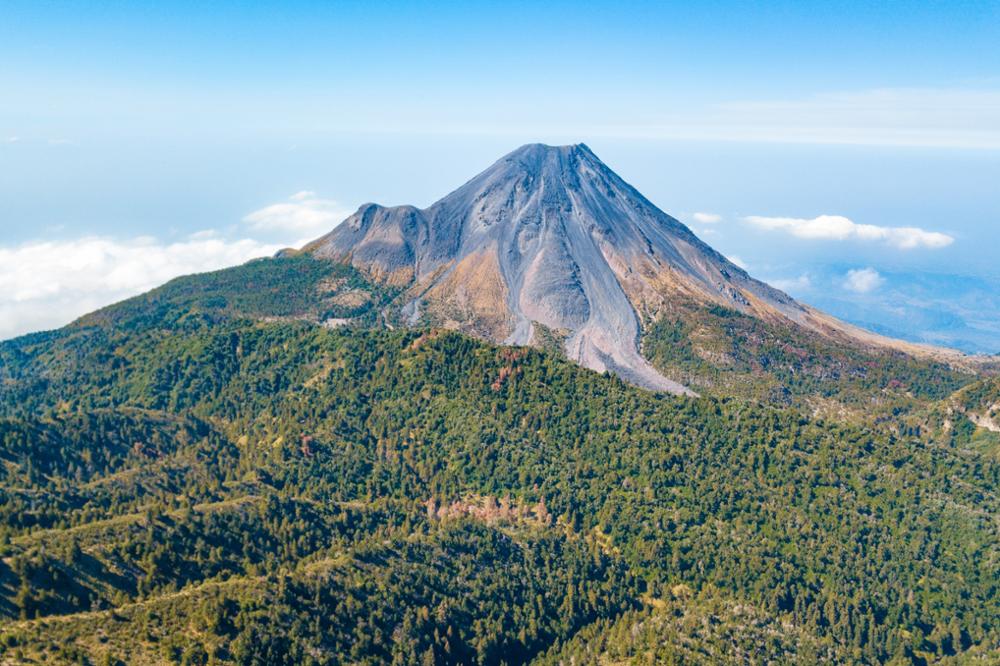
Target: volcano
point(549, 243)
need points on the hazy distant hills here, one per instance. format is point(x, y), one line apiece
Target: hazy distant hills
point(958, 311)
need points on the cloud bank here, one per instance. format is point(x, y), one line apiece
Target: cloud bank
point(792, 285)
point(839, 228)
point(305, 214)
point(44, 285)
point(738, 261)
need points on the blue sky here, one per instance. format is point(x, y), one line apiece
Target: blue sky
point(140, 140)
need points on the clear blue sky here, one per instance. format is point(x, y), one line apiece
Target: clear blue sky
point(139, 139)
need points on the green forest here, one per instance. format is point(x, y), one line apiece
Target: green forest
point(204, 475)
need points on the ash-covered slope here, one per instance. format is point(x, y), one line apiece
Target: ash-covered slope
point(549, 242)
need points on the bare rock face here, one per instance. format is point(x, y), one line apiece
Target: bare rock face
point(550, 236)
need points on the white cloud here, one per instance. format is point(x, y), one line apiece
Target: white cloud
point(707, 218)
point(798, 284)
point(304, 214)
point(739, 262)
point(863, 280)
point(839, 228)
point(47, 284)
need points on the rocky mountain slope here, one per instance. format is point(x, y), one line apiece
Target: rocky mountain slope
point(550, 242)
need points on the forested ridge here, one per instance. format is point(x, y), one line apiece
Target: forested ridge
point(725, 353)
point(192, 477)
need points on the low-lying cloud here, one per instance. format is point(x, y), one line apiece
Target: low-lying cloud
point(738, 261)
point(863, 280)
point(839, 228)
point(305, 214)
point(47, 284)
point(707, 218)
point(792, 285)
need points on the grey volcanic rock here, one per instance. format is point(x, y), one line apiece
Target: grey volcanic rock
point(550, 236)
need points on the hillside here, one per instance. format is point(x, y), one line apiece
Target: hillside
point(980, 404)
point(970, 414)
point(203, 485)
